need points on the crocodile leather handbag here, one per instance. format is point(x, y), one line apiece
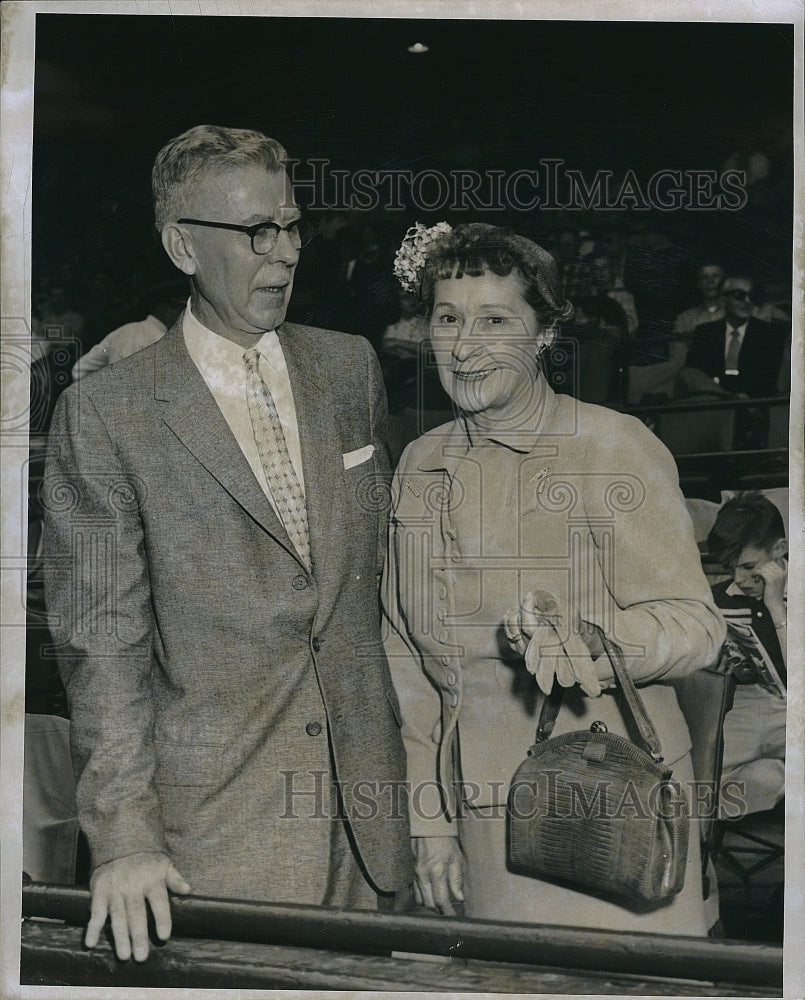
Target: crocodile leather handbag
point(595, 812)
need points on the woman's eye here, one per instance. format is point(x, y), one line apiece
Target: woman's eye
point(495, 320)
point(445, 318)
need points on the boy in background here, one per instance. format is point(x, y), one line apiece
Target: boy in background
point(748, 538)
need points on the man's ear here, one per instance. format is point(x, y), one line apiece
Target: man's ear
point(178, 248)
point(780, 549)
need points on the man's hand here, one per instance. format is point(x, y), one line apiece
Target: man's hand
point(120, 889)
point(438, 873)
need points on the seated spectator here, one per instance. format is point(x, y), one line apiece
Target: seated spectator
point(600, 327)
point(58, 318)
point(711, 307)
point(739, 354)
point(402, 339)
point(165, 304)
point(748, 538)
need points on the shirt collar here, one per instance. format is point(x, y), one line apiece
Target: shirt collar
point(740, 329)
point(213, 352)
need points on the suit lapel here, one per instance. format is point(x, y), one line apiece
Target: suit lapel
point(194, 417)
point(318, 436)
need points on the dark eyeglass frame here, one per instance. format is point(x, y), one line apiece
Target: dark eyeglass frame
point(739, 294)
point(251, 231)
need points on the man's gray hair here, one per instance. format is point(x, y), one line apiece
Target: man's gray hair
point(200, 150)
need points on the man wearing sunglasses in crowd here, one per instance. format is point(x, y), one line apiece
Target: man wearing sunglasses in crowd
point(214, 533)
point(741, 353)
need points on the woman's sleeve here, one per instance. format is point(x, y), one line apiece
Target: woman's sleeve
point(657, 604)
point(420, 703)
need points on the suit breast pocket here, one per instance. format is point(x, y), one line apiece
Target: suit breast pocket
point(365, 491)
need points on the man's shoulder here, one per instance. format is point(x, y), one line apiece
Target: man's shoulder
point(712, 328)
point(330, 355)
point(321, 338)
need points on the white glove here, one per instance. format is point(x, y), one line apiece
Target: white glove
point(538, 630)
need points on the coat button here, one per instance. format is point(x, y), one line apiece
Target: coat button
point(299, 582)
point(313, 728)
point(316, 644)
point(451, 677)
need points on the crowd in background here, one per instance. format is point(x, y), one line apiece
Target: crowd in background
point(631, 283)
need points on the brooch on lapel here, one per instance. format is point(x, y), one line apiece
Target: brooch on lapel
point(413, 488)
point(541, 478)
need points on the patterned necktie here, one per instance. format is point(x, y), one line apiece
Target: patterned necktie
point(273, 451)
point(733, 350)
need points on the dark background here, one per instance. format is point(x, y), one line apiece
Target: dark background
point(110, 90)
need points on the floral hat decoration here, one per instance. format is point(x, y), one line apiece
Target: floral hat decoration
point(412, 256)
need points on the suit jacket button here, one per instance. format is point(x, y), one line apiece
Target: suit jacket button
point(299, 582)
point(313, 728)
point(316, 644)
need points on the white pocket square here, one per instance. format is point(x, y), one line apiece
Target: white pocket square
point(353, 458)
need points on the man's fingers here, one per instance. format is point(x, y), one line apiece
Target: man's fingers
point(138, 926)
point(175, 881)
point(160, 907)
point(120, 929)
point(97, 920)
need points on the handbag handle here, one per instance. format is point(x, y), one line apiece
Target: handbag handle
point(634, 703)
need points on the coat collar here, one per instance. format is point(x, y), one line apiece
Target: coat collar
point(453, 441)
point(194, 417)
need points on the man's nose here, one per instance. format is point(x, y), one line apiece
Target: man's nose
point(284, 249)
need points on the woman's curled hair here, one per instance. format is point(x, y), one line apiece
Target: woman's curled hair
point(475, 248)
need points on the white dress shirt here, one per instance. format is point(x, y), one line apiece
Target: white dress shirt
point(222, 367)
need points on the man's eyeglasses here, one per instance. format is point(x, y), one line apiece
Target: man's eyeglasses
point(264, 235)
point(739, 294)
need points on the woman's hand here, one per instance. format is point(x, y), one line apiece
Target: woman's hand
point(535, 630)
point(438, 873)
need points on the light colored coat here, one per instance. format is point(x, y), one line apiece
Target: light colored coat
point(196, 649)
point(589, 508)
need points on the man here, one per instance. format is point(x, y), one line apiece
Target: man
point(748, 537)
point(708, 280)
point(740, 353)
point(163, 305)
point(215, 540)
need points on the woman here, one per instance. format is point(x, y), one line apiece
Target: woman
point(530, 508)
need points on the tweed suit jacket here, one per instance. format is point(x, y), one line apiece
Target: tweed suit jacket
point(758, 362)
point(215, 685)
